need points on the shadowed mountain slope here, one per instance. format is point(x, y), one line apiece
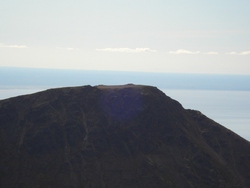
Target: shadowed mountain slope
point(115, 136)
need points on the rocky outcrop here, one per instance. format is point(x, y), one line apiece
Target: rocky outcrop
point(115, 136)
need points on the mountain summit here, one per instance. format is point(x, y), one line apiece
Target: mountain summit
point(115, 136)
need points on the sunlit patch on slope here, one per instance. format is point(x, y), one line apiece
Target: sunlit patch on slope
point(124, 104)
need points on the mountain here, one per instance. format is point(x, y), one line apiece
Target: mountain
point(115, 136)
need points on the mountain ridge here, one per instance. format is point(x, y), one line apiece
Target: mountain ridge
point(115, 136)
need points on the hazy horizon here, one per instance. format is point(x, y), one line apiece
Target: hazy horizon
point(20, 77)
point(207, 37)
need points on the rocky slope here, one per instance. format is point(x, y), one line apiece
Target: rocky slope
point(119, 136)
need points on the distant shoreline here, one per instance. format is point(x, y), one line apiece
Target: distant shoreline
point(50, 78)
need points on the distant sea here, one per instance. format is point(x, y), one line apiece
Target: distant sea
point(223, 98)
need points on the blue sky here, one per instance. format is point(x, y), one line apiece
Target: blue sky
point(154, 35)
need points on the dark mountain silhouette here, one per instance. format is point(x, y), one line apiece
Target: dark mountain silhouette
point(115, 136)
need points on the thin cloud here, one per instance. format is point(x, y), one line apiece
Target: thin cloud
point(212, 53)
point(245, 53)
point(181, 51)
point(232, 53)
point(12, 46)
point(126, 50)
point(69, 49)
point(239, 53)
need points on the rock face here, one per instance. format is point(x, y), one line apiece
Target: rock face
point(120, 136)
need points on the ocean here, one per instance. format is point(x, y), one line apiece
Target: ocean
point(223, 98)
point(229, 108)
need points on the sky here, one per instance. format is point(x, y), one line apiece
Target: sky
point(194, 36)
